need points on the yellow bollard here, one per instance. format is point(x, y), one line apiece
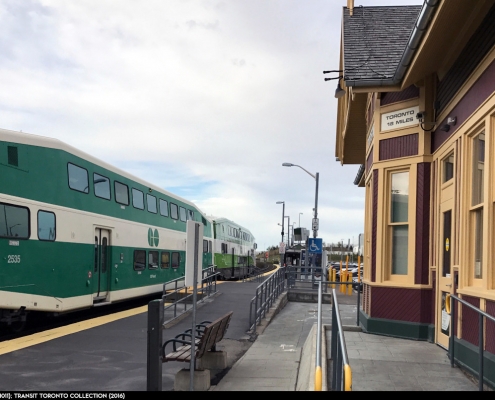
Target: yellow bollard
point(347, 378)
point(318, 381)
point(334, 277)
point(349, 287)
point(340, 286)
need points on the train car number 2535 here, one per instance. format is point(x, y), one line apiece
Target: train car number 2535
point(13, 259)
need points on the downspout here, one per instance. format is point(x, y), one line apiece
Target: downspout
point(429, 7)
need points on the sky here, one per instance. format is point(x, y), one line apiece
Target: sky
point(204, 98)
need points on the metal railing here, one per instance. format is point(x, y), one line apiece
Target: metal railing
point(318, 371)
point(341, 369)
point(451, 310)
point(266, 294)
point(178, 294)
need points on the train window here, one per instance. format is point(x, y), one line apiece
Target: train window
point(165, 260)
point(139, 260)
point(46, 226)
point(210, 247)
point(174, 211)
point(164, 207)
point(78, 178)
point(102, 186)
point(224, 248)
point(153, 260)
point(137, 199)
point(175, 259)
point(151, 201)
point(14, 221)
point(121, 193)
point(205, 246)
point(182, 214)
point(190, 215)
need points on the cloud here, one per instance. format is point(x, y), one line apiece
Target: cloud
point(205, 98)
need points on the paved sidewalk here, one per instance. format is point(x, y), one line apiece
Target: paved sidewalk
point(391, 364)
point(272, 362)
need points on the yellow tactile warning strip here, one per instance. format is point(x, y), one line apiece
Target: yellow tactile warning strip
point(42, 337)
point(27, 341)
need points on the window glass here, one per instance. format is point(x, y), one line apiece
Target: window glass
point(14, 221)
point(399, 249)
point(137, 199)
point(182, 214)
point(153, 260)
point(121, 193)
point(210, 248)
point(139, 259)
point(165, 260)
point(478, 168)
point(400, 197)
point(448, 168)
point(478, 243)
point(174, 211)
point(175, 260)
point(151, 201)
point(78, 178)
point(205, 246)
point(190, 215)
point(164, 207)
point(101, 186)
point(46, 225)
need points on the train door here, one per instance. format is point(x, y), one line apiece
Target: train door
point(101, 263)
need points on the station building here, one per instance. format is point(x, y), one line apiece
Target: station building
point(416, 112)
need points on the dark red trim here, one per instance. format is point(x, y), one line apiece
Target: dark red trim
point(393, 97)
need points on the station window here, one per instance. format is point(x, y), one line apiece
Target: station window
point(165, 259)
point(151, 201)
point(14, 221)
point(174, 211)
point(152, 259)
point(477, 199)
point(102, 186)
point(175, 259)
point(138, 199)
point(121, 193)
point(139, 260)
point(448, 168)
point(183, 217)
point(399, 209)
point(164, 207)
point(78, 178)
point(46, 226)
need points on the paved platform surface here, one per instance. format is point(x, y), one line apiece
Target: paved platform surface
point(379, 363)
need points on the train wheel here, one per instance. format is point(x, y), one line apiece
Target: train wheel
point(17, 326)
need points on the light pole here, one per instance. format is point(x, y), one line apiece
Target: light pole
point(282, 256)
point(300, 219)
point(288, 231)
point(316, 178)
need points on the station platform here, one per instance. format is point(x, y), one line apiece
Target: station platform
point(110, 353)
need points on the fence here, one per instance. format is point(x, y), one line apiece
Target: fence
point(451, 305)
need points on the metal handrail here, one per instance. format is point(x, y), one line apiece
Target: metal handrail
point(342, 372)
point(318, 372)
point(266, 293)
point(211, 288)
point(450, 304)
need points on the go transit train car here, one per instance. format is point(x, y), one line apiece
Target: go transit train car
point(76, 232)
point(233, 246)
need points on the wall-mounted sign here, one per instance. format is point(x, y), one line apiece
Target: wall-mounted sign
point(400, 119)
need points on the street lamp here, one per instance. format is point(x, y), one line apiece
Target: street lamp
point(282, 256)
point(316, 178)
point(300, 219)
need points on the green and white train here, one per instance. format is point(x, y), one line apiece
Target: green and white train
point(76, 232)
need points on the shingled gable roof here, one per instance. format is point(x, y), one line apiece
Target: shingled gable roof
point(375, 39)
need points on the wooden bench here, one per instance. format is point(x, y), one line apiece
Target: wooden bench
point(208, 334)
